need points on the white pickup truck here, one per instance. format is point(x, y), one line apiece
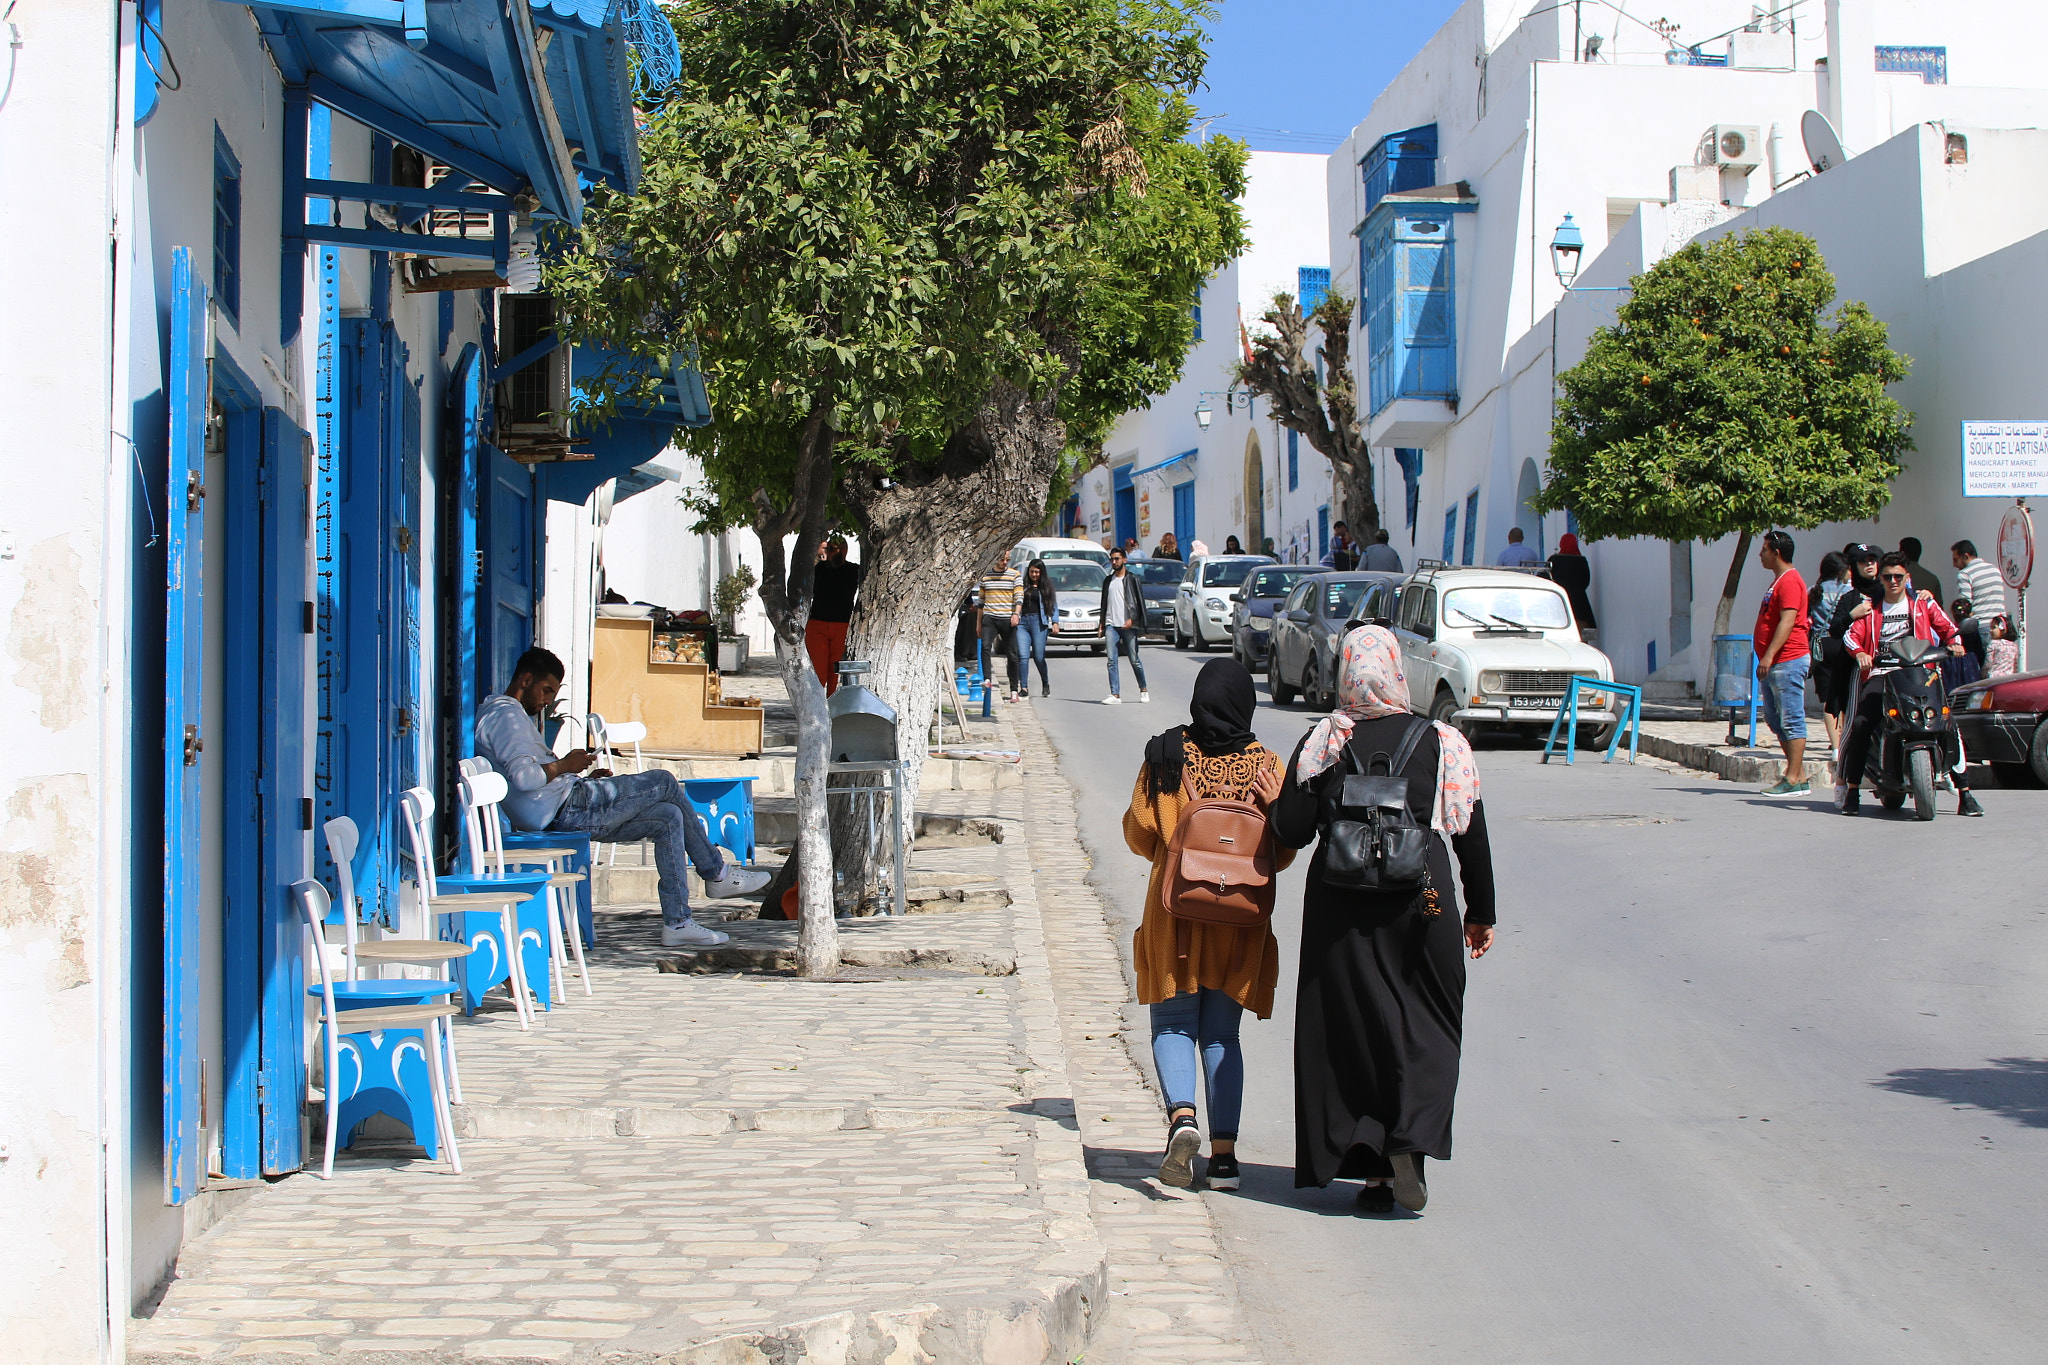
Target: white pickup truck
point(1488, 649)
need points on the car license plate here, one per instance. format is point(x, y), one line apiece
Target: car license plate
point(1534, 703)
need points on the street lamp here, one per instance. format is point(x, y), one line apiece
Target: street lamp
point(1565, 249)
point(1204, 414)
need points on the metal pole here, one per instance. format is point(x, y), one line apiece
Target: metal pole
point(896, 828)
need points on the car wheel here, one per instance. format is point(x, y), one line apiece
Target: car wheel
point(1444, 711)
point(2037, 753)
point(1180, 641)
point(1277, 685)
point(1589, 736)
point(1099, 649)
point(1201, 640)
point(1309, 696)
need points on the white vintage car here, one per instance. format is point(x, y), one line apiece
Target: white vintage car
point(1489, 649)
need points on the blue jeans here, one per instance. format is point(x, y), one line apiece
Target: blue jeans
point(1207, 1018)
point(624, 810)
point(1784, 697)
point(1031, 645)
point(1123, 638)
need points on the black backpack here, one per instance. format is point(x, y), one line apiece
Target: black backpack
point(1371, 841)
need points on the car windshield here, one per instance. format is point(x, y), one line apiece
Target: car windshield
point(1159, 571)
point(1074, 575)
point(1517, 608)
point(1340, 598)
point(1227, 573)
point(1274, 582)
point(1085, 556)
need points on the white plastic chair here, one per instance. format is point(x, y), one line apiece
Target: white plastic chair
point(482, 794)
point(416, 806)
point(342, 842)
point(608, 735)
point(336, 1024)
point(560, 879)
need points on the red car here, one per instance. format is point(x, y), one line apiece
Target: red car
point(2001, 723)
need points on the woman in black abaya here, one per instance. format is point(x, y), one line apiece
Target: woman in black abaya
point(1379, 1015)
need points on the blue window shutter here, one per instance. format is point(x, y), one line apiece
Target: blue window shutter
point(1450, 532)
point(466, 395)
point(1471, 524)
point(1411, 479)
point(1930, 64)
point(1198, 321)
point(1314, 285)
point(1184, 516)
point(227, 228)
point(184, 652)
point(1322, 530)
point(1293, 460)
point(1400, 161)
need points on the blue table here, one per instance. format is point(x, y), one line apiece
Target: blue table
point(726, 806)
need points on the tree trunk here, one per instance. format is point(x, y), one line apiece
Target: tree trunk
point(1724, 612)
point(1355, 493)
point(922, 542)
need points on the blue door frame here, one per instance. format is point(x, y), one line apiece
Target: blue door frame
point(507, 512)
point(1184, 516)
point(1126, 502)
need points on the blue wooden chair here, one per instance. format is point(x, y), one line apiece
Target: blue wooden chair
point(380, 1057)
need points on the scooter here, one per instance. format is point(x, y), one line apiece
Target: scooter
point(1916, 736)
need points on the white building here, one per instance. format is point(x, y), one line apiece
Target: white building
point(1164, 469)
point(1444, 202)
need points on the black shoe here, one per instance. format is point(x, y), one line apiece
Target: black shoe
point(1376, 1199)
point(1852, 804)
point(1183, 1140)
point(1967, 804)
point(1221, 1172)
point(1411, 1192)
point(1045, 689)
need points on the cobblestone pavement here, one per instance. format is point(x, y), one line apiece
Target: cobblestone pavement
point(739, 1167)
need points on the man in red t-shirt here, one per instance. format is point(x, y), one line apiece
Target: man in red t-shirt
point(1782, 659)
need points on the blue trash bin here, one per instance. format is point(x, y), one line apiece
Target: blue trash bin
point(1735, 681)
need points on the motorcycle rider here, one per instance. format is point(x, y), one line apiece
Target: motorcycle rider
point(1869, 640)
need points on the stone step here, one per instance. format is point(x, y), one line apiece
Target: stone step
point(700, 1120)
point(776, 774)
point(1671, 690)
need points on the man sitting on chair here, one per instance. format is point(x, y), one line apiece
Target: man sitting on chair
point(558, 793)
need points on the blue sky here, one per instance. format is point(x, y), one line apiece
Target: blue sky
point(1295, 75)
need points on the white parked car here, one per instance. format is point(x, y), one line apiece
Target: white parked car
point(1202, 607)
point(1050, 548)
point(1489, 649)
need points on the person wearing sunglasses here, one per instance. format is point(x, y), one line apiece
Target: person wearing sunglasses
point(1870, 640)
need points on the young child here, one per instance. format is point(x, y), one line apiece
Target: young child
point(2002, 655)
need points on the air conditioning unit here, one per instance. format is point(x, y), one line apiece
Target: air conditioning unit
point(1738, 146)
point(532, 402)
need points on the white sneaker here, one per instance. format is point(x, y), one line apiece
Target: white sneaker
point(737, 881)
point(1144, 696)
point(1112, 700)
point(1841, 795)
point(692, 935)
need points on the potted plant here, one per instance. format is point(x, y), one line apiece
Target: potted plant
point(731, 594)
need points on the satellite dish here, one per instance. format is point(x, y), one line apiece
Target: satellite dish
point(1823, 148)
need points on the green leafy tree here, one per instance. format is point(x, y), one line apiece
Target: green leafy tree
point(1322, 409)
point(1728, 399)
point(870, 220)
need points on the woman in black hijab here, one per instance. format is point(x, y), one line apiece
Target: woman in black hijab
point(1199, 986)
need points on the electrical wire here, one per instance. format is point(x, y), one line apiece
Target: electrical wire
point(177, 81)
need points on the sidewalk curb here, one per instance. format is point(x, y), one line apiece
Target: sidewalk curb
point(499, 1121)
point(1730, 766)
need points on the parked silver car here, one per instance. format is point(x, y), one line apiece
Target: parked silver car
point(1308, 629)
point(1077, 586)
point(1201, 608)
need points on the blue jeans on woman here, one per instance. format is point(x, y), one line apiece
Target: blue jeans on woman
point(1204, 1020)
point(1031, 632)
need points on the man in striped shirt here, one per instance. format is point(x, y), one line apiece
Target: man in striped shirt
point(1002, 592)
point(1977, 582)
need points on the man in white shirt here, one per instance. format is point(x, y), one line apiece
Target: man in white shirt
point(547, 792)
point(1977, 581)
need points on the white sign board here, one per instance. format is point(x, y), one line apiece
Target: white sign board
point(2005, 459)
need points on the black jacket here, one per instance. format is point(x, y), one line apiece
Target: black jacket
point(1136, 591)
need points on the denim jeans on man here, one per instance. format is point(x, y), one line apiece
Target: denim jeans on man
point(1784, 697)
point(1207, 1019)
point(1031, 645)
point(1123, 638)
point(624, 810)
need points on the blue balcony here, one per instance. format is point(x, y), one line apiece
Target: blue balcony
point(1407, 258)
point(1399, 161)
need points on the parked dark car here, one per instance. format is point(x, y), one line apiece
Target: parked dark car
point(1161, 579)
point(1251, 617)
point(1309, 624)
point(2001, 723)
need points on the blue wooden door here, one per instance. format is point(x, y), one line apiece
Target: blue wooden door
point(466, 400)
point(402, 571)
point(184, 649)
point(508, 553)
point(1126, 504)
point(1184, 516)
point(285, 808)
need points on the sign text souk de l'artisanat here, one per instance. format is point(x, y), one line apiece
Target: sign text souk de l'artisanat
point(2005, 459)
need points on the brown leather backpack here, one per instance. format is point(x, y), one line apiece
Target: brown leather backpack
point(1219, 868)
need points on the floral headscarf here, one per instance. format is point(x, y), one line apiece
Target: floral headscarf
point(1370, 684)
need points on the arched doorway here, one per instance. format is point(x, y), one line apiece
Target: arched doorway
point(1254, 494)
point(1526, 515)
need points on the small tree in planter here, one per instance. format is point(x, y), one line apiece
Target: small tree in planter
point(726, 600)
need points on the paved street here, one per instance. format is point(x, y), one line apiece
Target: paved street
point(1744, 1080)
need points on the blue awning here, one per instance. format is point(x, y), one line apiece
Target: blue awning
point(466, 82)
point(1181, 458)
point(635, 434)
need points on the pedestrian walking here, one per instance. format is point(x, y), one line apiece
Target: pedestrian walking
point(1380, 556)
point(1978, 580)
point(1266, 548)
point(1198, 979)
point(1864, 595)
point(1830, 586)
point(1231, 546)
point(1570, 571)
point(2002, 651)
point(1343, 552)
point(834, 584)
point(1923, 578)
point(1517, 555)
point(1783, 653)
point(1038, 615)
point(1379, 1009)
point(1167, 548)
point(1123, 618)
point(1130, 545)
point(1001, 588)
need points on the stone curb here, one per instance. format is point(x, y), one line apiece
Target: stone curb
point(657, 1121)
point(1731, 766)
point(741, 957)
